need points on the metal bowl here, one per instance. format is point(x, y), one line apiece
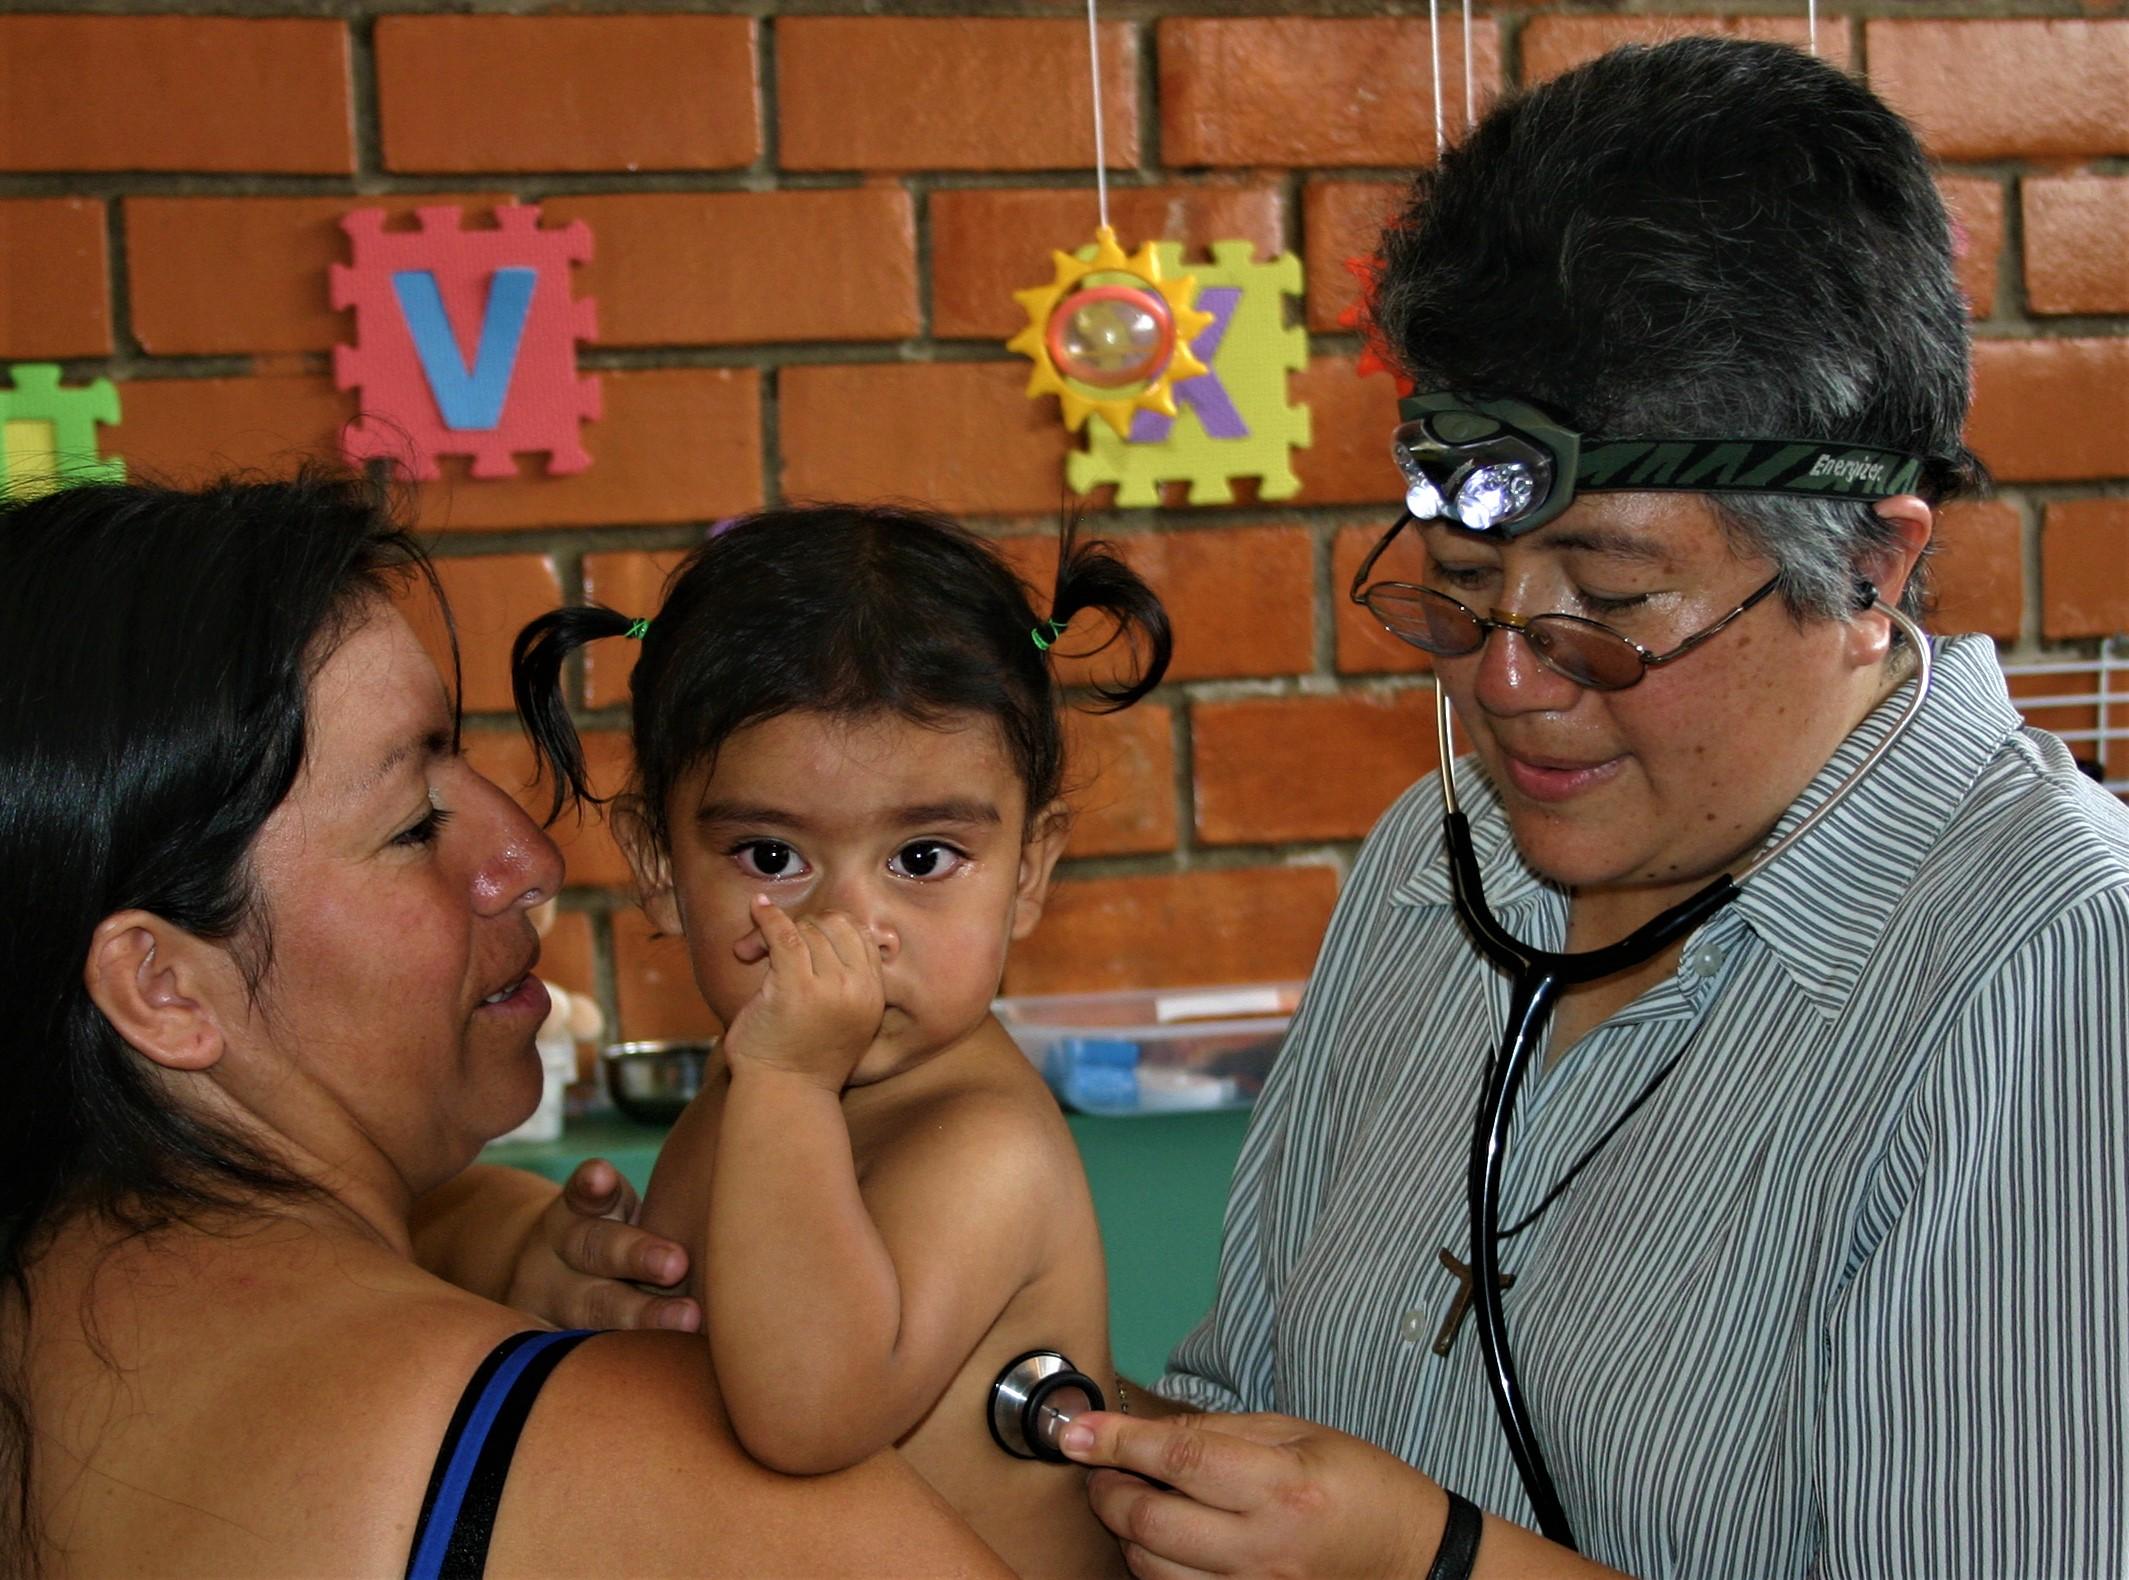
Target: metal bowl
point(652, 1082)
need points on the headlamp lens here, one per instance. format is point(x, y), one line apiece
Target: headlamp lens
point(1493, 494)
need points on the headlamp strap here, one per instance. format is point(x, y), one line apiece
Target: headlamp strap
point(1748, 466)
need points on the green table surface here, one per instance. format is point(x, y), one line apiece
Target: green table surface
point(1160, 1184)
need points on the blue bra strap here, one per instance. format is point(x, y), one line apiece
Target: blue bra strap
point(466, 1485)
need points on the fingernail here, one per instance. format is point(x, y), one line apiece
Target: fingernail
point(1076, 1439)
point(666, 1266)
point(680, 1317)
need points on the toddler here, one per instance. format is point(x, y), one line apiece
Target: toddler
point(848, 763)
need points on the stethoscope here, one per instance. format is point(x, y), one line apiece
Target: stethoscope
point(1536, 977)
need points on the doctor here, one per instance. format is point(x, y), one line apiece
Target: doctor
point(1811, 1224)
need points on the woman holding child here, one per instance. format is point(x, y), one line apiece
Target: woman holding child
point(267, 945)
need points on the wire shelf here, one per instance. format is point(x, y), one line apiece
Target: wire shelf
point(2082, 701)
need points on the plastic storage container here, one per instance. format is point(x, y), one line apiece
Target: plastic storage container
point(1153, 1052)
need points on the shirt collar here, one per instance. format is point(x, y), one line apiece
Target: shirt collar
point(1822, 905)
point(1862, 857)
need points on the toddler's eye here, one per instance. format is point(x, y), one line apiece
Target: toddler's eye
point(925, 858)
point(768, 858)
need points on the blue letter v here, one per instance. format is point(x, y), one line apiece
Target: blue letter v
point(467, 400)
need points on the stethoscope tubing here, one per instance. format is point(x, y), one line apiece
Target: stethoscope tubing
point(1536, 977)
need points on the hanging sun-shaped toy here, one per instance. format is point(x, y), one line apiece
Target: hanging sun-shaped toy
point(1109, 335)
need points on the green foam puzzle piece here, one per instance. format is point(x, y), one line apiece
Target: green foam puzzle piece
point(1257, 352)
point(48, 431)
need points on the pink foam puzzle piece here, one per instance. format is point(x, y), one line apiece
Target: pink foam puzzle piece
point(546, 401)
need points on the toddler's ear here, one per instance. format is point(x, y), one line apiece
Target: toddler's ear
point(1038, 858)
point(648, 862)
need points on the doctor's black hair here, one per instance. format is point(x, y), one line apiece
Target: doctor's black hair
point(847, 610)
point(1705, 238)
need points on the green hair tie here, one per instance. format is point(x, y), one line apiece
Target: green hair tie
point(636, 630)
point(1035, 635)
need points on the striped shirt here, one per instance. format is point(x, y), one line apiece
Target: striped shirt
point(1846, 1296)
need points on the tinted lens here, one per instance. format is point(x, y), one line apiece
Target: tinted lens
point(1585, 652)
point(1427, 620)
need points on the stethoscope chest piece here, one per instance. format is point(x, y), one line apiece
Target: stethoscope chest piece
point(1033, 1400)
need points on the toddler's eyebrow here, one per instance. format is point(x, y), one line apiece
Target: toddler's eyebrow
point(955, 810)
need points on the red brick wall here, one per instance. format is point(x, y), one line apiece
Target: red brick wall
point(807, 229)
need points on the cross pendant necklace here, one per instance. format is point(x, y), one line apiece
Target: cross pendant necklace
point(1445, 1340)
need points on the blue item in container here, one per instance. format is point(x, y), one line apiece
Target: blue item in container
point(1094, 1074)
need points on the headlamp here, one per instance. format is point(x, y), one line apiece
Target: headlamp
point(1504, 468)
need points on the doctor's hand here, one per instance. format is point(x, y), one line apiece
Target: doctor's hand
point(819, 1007)
point(1257, 1495)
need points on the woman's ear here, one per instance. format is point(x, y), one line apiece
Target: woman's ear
point(160, 988)
point(649, 863)
point(1038, 859)
point(1911, 521)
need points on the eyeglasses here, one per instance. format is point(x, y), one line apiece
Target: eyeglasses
point(1587, 652)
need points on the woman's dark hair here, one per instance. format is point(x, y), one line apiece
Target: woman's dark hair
point(848, 610)
point(1707, 238)
point(162, 644)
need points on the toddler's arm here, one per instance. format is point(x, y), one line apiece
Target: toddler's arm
point(838, 1312)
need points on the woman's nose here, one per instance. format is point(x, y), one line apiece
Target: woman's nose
point(1511, 679)
point(519, 865)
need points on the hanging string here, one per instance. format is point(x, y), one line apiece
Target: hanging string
point(1470, 97)
point(1434, 52)
point(1101, 155)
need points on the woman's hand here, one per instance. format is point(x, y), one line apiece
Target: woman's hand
point(1256, 1495)
point(579, 1266)
point(819, 1007)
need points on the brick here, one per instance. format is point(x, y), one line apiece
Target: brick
point(2084, 569)
point(593, 859)
point(209, 276)
point(175, 93)
point(1350, 422)
point(950, 93)
point(190, 430)
point(2076, 243)
point(2050, 410)
point(1270, 770)
point(2062, 716)
point(1364, 647)
point(1980, 568)
point(1255, 924)
point(2006, 89)
point(675, 444)
point(492, 596)
point(654, 986)
point(1340, 222)
point(1120, 780)
point(1239, 599)
point(55, 279)
point(989, 242)
point(742, 268)
point(1975, 204)
point(1553, 44)
point(1312, 92)
point(633, 583)
point(962, 436)
point(567, 92)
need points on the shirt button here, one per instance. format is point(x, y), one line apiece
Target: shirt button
point(1704, 959)
point(1412, 1326)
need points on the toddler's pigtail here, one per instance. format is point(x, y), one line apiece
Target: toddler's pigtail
point(1090, 576)
point(536, 683)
